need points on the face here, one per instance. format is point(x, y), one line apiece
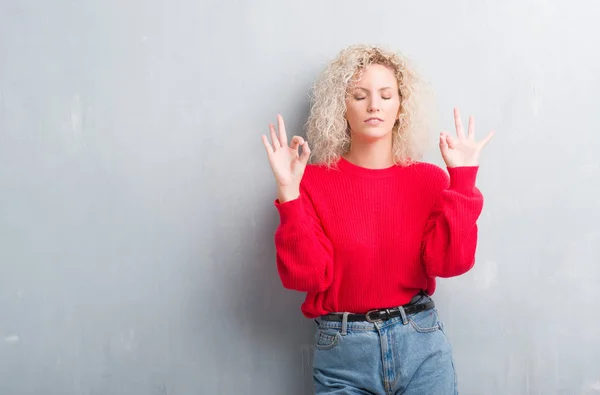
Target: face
point(373, 103)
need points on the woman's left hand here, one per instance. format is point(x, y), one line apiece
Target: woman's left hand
point(462, 150)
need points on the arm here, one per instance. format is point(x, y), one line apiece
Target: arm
point(304, 253)
point(450, 238)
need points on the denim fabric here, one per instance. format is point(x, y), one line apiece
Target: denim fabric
point(407, 355)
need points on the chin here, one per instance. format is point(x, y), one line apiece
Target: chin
point(377, 133)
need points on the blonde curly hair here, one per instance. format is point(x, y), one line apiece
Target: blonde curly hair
point(327, 129)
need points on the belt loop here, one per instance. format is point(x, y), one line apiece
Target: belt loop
point(345, 324)
point(403, 315)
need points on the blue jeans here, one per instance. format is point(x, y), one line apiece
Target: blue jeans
point(407, 355)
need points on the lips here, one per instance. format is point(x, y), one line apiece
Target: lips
point(373, 121)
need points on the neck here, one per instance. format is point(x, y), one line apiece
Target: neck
point(372, 155)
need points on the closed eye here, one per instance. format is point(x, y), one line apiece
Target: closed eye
point(364, 97)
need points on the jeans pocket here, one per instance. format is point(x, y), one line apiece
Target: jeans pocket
point(327, 338)
point(425, 321)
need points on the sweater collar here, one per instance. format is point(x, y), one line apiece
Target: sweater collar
point(348, 167)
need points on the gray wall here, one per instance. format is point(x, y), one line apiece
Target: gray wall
point(136, 201)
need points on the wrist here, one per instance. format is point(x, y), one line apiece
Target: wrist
point(286, 194)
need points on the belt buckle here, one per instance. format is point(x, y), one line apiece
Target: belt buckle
point(372, 320)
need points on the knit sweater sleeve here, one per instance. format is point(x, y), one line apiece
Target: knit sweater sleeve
point(450, 238)
point(304, 253)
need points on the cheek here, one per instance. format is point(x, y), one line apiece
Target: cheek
point(352, 111)
point(394, 107)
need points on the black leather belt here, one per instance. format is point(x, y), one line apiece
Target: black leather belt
point(380, 315)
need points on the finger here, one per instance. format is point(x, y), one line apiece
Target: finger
point(451, 141)
point(305, 153)
point(267, 145)
point(487, 139)
point(296, 142)
point(471, 131)
point(274, 138)
point(458, 123)
point(282, 133)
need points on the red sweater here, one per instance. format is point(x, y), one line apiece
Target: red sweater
point(359, 239)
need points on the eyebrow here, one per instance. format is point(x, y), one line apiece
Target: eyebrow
point(366, 90)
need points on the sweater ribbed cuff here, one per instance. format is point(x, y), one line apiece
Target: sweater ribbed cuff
point(290, 211)
point(462, 178)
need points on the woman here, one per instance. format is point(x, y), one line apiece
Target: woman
point(365, 228)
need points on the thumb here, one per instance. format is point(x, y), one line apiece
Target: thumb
point(443, 144)
point(305, 153)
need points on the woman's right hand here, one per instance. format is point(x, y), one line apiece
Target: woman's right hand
point(286, 163)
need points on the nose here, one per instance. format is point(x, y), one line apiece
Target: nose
point(374, 106)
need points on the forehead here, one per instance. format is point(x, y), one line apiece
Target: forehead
point(375, 75)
